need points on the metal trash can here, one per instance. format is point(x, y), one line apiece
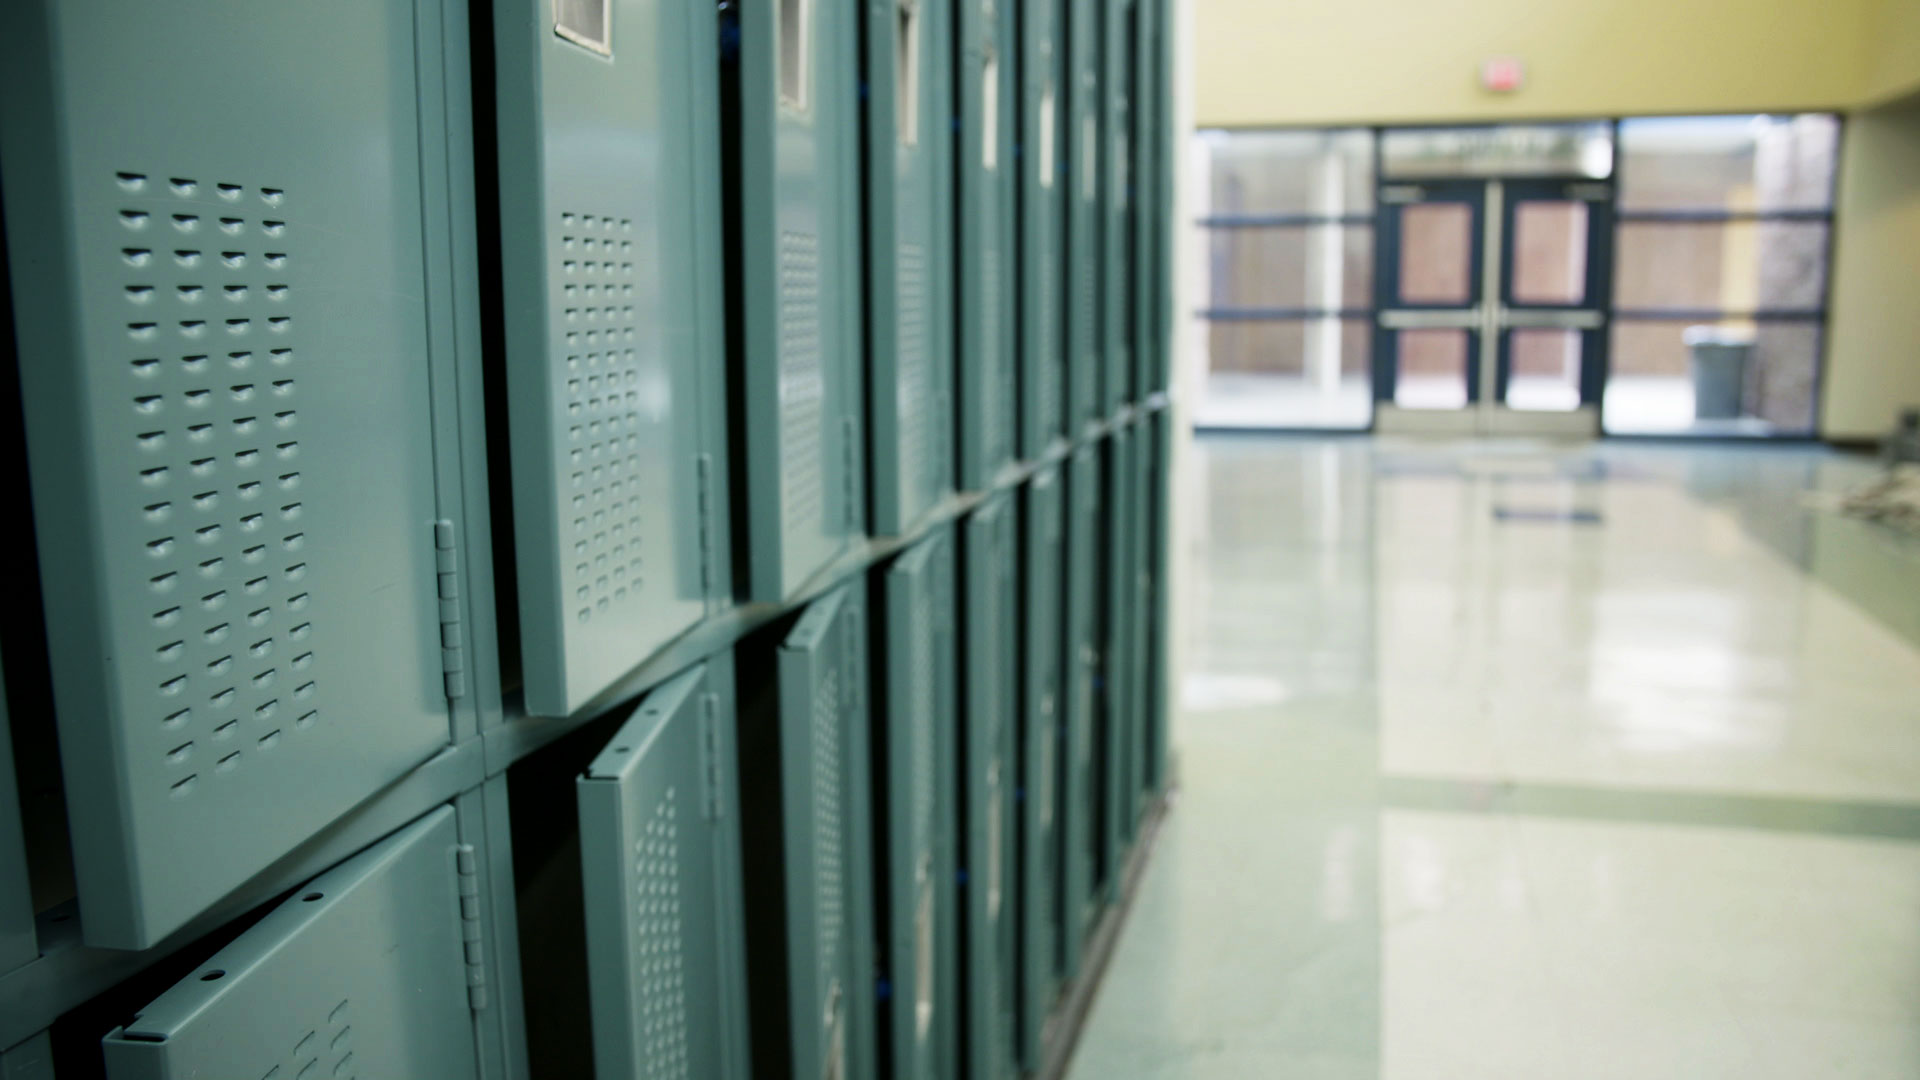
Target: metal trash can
point(1718, 359)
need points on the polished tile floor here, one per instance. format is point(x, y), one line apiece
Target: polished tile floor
point(1502, 761)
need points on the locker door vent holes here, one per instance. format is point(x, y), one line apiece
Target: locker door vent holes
point(331, 1043)
point(906, 71)
point(659, 946)
point(827, 823)
point(587, 23)
point(802, 386)
point(598, 335)
point(211, 429)
point(916, 362)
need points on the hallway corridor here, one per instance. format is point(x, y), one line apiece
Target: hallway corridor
point(1504, 762)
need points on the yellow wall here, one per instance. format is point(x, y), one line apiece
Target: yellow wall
point(1873, 336)
point(1263, 62)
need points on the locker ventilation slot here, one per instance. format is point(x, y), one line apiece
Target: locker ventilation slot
point(915, 359)
point(600, 341)
point(325, 1050)
point(802, 386)
point(212, 429)
point(827, 824)
point(994, 404)
point(796, 47)
point(659, 946)
point(585, 23)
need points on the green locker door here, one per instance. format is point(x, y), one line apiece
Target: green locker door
point(364, 972)
point(660, 864)
point(607, 121)
point(1085, 225)
point(799, 302)
point(1079, 906)
point(1041, 585)
point(1140, 621)
point(1116, 205)
point(806, 814)
point(914, 830)
point(1165, 155)
point(1042, 167)
point(990, 703)
point(19, 944)
point(225, 353)
point(1159, 613)
point(1144, 199)
point(29, 1060)
point(1116, 655)
point(909, 233)
point(986, 361)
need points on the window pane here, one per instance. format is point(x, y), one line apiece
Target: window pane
point(1322, 267)
point(1728, 162)
point(1290, 172)
point(1735, 266)
point(1660, 383)
point(1288, 373)
point(1436, 253)
point(1432, 369)
point(1545, 371)
point(1550, 252)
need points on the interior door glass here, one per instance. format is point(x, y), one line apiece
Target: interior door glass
point(1433, 369)
point(1436, 253)
point(1550, 252)
point(1545, 373)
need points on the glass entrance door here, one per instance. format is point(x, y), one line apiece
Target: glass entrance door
point(1493, 299)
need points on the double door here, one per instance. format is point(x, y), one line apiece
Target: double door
point(1493, 300)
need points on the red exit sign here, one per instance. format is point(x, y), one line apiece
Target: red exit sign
point(1503, 74)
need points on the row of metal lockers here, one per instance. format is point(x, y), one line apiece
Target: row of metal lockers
point(567, 538)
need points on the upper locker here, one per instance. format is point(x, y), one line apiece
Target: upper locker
point(1041, 589)
point(1086, 33)
point(1116, 204)
point(984, 171)
point(1145, 222)
point(614, 359)
point(990, 707)
point(226, 349)
point(797, 308)
point(364, 972)
point(909, 251)
point(914, 829)
point(1042, 336)
point(1164, 156)
point(806, 812)
point(660, 868)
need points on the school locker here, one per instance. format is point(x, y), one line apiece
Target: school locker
point(990, 703)
point(1144, 197)
point(374, 968)
point(1081, 811)
point(1086, 225)
point(28, 1060)
point(1165, 157)
point(660, 870)
point(1159, 614)
point(236, 226)
point(1117, 672)
point(909, 237)
point(1116, 204)
point(1042, 581)
point(986, 358)
point(1042, 234)
point(614, 355)
point(797, 308)
point(914, 731)
point(19, 944)
point(806, 814)
point(1139, 586)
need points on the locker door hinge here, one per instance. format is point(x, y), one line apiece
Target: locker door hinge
point(470, 939)
point(703, 467)
point(714, 808)
point(453, 636)
point(849, 473)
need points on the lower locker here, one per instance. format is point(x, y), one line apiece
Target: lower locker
point(1116, 670)
point(913, 838)
point(1159, 614)
point(1080, 814)
point(375, 968)
point(660, 869)
point(1042, 733)
point(805, 813)
point(989, 706)
point(30, 1060)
